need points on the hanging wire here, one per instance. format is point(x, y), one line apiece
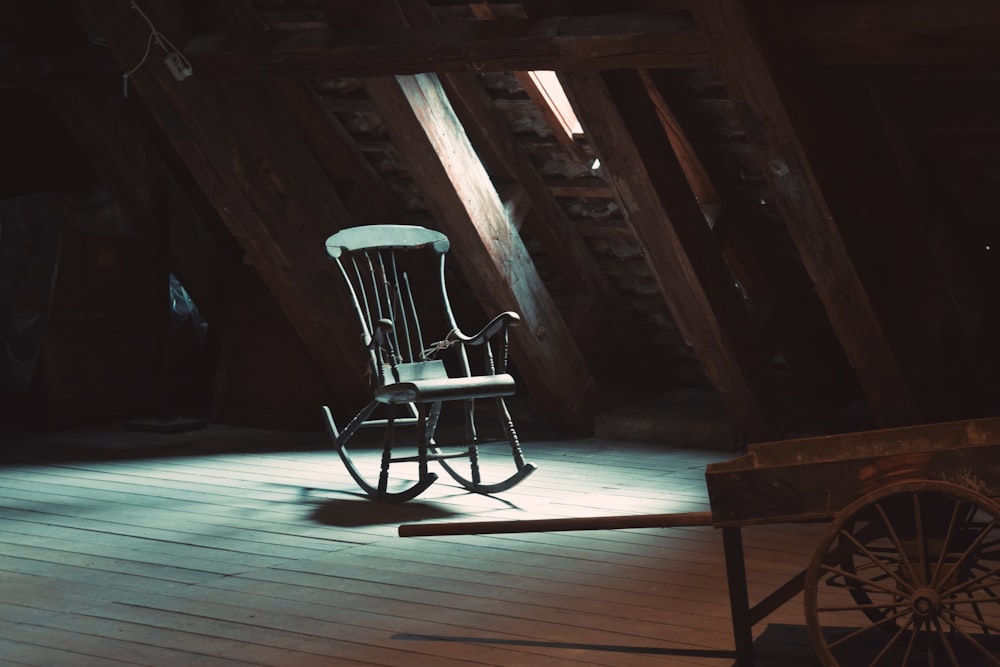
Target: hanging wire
point(155, 37)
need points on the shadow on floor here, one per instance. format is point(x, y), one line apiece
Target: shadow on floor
point(576, 646)
point(351, 513)
point(782, 645)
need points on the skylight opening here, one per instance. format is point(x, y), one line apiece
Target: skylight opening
point(554, 97)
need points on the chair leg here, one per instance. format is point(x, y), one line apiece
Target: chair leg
point(433, 415)
point(422, 440)
point(508, 427)
point(339, 437)
point(380, 489)
point(390, 428)
point(476, 485)
point(472, 437)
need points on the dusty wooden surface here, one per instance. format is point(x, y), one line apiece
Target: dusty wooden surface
point(239, 546)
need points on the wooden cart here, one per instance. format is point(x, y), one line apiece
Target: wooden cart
point(907, 571)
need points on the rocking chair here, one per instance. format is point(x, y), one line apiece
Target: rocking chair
point(409, 378)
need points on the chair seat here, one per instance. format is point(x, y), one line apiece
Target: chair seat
point(446, 389)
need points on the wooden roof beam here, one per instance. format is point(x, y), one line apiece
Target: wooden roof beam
point(486, 245)
point(802, 202)
point(626, 131)
point(558, 43)
point(546, 219)
point(257, 171)
point(873, 32)
point(895, 32)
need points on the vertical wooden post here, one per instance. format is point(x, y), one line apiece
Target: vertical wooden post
point(739, 604)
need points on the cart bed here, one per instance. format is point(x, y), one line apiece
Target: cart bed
point(814, 478)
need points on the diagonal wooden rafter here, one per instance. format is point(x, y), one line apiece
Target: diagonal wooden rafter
point(761, 255)
point(701, 184)
point(129, 160)
point(260, 176)
point(486, 245)
point(596, 310)
point(800, 198)
point(365, 194)
point(545, 218)
point(626, 131)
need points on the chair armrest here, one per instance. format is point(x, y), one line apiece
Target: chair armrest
point(380, 342)
point(497, 324)
point(380, 335)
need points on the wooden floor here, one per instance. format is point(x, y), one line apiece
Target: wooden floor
point(240, 546)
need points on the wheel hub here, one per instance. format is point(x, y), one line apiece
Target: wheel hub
point(926, 603)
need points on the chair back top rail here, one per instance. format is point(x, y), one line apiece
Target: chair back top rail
point(380, 289)
point(372, 237)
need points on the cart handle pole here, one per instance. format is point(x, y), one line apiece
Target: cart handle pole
point(553, 525)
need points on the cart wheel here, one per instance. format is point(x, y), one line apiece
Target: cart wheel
point(908, 575)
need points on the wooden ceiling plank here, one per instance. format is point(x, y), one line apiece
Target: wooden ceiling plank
point(612, 41)
point(798, 195)
point(622, 124)
point(255, 169)
point(485, 244)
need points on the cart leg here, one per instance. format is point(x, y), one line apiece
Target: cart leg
point(739, 603)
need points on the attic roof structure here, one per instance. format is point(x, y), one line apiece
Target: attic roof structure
point(791, 204)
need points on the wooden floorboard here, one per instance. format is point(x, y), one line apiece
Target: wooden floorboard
point(236, 546)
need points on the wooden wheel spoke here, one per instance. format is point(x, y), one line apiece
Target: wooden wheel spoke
point(918, 521)
point(909, 645)
point(971, 584)
point(946, 644)
point(970, 619)
point(888, 645)
point(873, 605)
point(992, 544)
point(947, 540)
point(876, 560)
point(861, 580)
point(981, 586)
point(926, 582)
point(970, 549)
point(896, 541)
point(975, 642)
point(971, 600)
point(975, 608)
point(860, 631)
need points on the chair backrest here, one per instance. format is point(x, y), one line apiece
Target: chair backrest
point(377, 263)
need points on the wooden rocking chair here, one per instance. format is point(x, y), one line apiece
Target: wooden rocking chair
point(404, 346)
